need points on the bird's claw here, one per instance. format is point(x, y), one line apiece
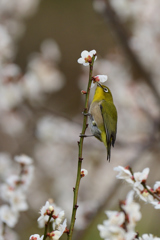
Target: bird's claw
point(83, 135)
point(86, 114)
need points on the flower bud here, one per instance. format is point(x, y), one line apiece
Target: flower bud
point(51, 208)
point(83, 92)
point(84, 172)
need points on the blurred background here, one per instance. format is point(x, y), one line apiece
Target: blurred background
point(41, 103)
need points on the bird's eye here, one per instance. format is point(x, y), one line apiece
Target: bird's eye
point(105, 89)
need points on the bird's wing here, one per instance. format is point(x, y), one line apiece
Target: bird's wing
point(109, 115)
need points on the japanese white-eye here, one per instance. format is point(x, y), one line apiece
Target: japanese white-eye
point(103, 117)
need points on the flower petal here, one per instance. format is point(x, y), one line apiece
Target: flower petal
point(92, 84)
point(84, 54)
point(92, 52)
point(80, 60)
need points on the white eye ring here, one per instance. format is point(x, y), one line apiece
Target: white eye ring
point(105, 89)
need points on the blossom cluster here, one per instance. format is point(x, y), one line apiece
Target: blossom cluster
point(51, 214)
point(14, 189)
point(41, 77)
point(121, 224)
point(138, 181)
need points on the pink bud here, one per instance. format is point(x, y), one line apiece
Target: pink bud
point(83, 92)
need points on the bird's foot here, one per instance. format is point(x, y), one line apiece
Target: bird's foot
point(86, 114)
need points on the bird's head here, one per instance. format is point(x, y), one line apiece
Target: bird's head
point(102, 92)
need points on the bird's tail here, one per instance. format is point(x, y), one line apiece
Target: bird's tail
point(108, 151)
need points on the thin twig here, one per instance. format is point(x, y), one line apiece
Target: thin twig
point(150, 192)
point(46, 226)
point(80, 145)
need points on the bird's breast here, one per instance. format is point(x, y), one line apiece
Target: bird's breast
point(95, 120)
point(95, 111)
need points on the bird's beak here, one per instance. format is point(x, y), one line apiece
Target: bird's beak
point(99, 84)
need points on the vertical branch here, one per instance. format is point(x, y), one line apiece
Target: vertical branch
point(80, 146)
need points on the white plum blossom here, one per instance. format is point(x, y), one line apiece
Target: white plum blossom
point(132, 209)
point(44, 217)
point(6, 192)
point(86, 57)
point(149, 237)
point(27, 177)
point(99, 78)
point(8, 216)
point(115, 218)
point(58, 219)
point(138, 181)
point(124, 173)
point(111, 227)
point(16, 198)
point(11, 96)
point(156, 186)
point(10, 86)
point(112, 232)
point(13, 180)
point(63, 226)
point(121, 225)
point(141, 176)
point(36, 237)
point(144, 194)
point(22, 182)
point(13, 191)
point(9, 233)
point(156, 204)
point(23, 159)
point(10, 71)
point(46, 209)
point(56, 234)
point(108, 232)
point(18, 201)
point(57, 210)
point(58, 225)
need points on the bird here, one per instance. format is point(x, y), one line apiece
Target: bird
point(102, 117)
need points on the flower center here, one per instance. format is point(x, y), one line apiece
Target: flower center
point(88, 59)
